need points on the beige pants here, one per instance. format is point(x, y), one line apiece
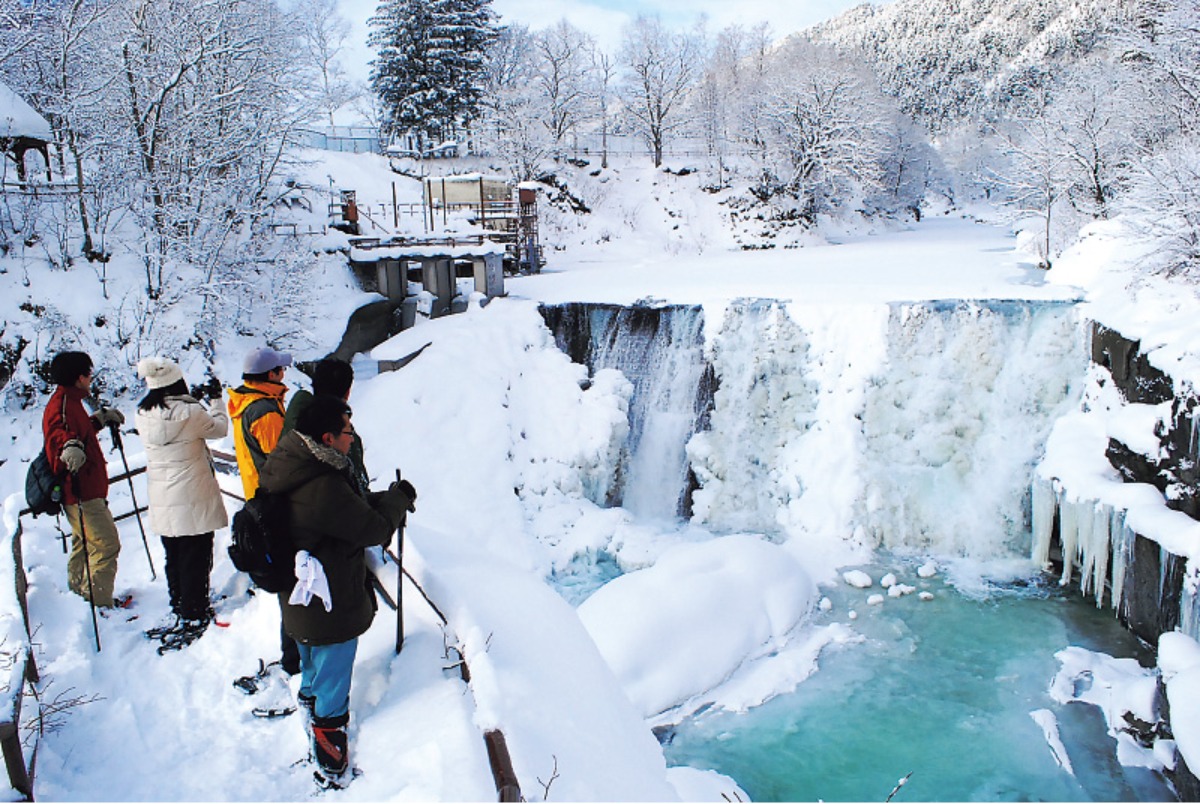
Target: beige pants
point(103, 545)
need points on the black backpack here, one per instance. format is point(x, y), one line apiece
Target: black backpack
point(43, 489)
point(261, 545)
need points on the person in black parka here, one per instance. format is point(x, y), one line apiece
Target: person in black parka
point(332, 521)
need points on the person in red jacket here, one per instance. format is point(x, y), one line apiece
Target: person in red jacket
point(74, 453)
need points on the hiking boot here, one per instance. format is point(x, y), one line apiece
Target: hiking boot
point(174, 623)
point(308, 705)
point(331, 746)
point(189, 632)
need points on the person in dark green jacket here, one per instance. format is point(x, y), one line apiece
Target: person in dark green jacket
point(332, 521)
point(330, 377)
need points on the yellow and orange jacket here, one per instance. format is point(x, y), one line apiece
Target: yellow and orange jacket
point(256, 411)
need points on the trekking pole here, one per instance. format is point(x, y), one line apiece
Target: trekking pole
point(87, 558)
point(115, 430)
point(400, 577)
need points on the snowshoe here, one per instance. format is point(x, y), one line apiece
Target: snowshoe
point(253, 683)
point(159, 631)
point(330, 781)
point(189, 632)
point(273, 694)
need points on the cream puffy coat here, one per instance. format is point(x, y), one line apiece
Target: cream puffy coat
point(184, 497)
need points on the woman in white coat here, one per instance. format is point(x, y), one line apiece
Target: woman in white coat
point(185, 501)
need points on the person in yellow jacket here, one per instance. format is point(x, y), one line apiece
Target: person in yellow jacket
point(256, 410)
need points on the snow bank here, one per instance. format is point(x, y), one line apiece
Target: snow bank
point(537, 676)
point(1179, 663)
point(679, 628)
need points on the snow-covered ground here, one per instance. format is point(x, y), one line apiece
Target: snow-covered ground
point(504, 443)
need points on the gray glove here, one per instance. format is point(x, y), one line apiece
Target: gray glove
point(73, 456)
point(107, 416)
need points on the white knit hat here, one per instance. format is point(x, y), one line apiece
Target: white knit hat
point(159, 372)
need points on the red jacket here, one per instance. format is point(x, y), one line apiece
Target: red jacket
point(65, 419)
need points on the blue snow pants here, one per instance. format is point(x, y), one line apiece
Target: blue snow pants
point(325, 675)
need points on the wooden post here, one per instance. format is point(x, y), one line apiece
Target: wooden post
point(482, 205)
point(507, 786)
point(395, 209)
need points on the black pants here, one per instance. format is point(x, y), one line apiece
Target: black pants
point(289, 652)
point(189, 565)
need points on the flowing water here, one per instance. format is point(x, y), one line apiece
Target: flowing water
point(942, 689)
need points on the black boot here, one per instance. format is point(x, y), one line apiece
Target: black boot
point(331, 747)
point(308, 704)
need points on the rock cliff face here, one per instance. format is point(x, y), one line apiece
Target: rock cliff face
point(1154, 577)
point(1154, 600)
point(1174, 469)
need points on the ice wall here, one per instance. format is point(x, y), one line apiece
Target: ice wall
point(913, 425)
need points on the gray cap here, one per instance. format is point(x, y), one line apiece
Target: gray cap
point(264, 359)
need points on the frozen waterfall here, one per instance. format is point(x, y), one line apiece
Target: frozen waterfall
point(660, 350)
point(909, 425)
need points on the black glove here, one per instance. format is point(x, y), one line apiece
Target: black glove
point(405, 490)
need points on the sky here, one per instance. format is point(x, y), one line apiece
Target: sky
point(605, 19)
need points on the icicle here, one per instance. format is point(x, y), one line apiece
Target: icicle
point(1086, 521)
point(1122, 541)
point(1195, 440)
point(1189, 603)
point(1101, 539)
point(1044, 505)
point(1068, 529)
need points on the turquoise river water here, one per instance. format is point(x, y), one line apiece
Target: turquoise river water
point(941, 689)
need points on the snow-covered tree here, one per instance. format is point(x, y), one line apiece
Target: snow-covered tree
point(70, 84)
point(731, 94)
point(661, 70)
point(563, 60)
point(430, 64)
point(602, 77)
point(321, 34)
point(826, 124)
point(1163, 200)
point(1034, 180)
point(208, 96)
point(513, 126)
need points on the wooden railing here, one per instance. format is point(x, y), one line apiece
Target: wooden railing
point(22, 670)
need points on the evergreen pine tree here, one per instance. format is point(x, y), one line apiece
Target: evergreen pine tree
point(428, 73)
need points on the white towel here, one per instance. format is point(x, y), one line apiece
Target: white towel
point(310, 580)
